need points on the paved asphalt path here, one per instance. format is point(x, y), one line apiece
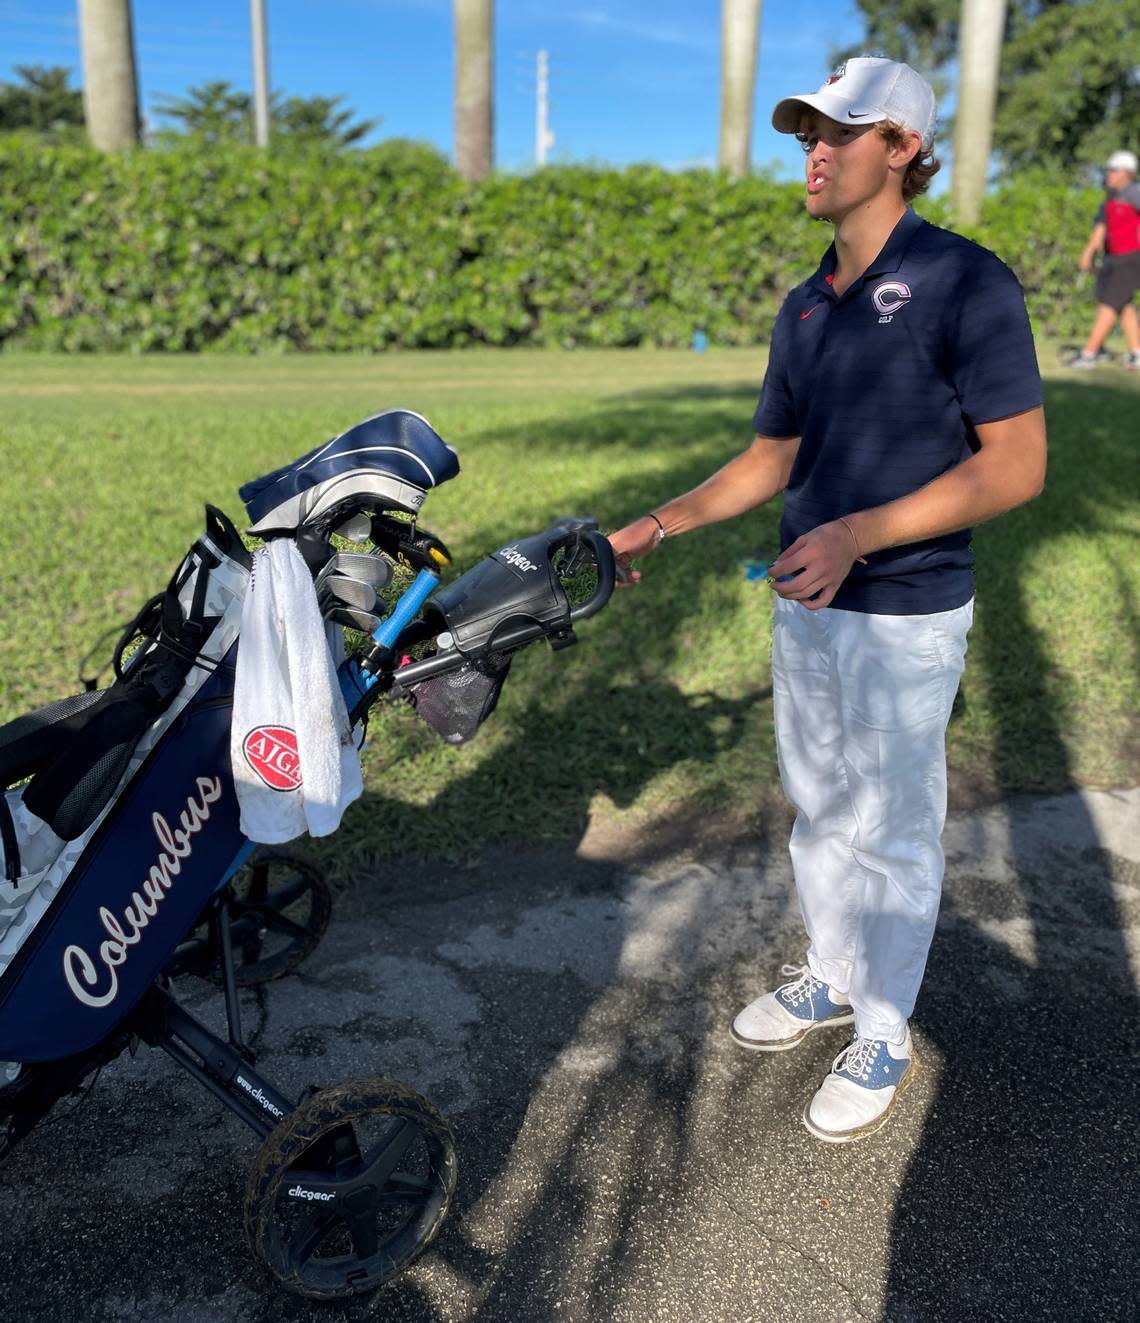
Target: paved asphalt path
point(621, 1160)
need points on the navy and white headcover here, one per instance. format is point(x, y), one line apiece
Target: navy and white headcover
point(387, 462)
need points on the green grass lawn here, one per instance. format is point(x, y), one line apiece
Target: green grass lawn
point(665, 706)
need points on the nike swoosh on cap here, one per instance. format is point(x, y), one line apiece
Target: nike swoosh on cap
point(858, 114)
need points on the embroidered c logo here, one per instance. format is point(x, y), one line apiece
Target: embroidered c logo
point(890, 296)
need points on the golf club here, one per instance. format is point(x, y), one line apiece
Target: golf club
point(338, 591)
point(362, 565)
point(346, 616)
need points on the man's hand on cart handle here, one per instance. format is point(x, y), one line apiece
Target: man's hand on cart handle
point(633, 542)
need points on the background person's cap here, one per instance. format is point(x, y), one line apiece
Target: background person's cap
point(866, 90)
point(1122, 161)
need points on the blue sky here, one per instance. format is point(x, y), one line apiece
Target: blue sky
point(630, 80)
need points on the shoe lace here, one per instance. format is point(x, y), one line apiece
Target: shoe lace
point(857, 1058)
point(802, 986)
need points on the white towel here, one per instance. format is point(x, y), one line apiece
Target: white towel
point(295, 765)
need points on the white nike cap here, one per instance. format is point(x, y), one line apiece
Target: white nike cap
point(1122, 161)
point(865, 90)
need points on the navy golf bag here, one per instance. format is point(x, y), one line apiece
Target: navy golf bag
point(123, 864)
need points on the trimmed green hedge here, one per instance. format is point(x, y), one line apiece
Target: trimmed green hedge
point(228, 249)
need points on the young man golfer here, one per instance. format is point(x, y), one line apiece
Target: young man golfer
point(1116, 233)
point(902, 404)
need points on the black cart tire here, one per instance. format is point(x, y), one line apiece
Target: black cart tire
point(343, 1247)
point(279, 910)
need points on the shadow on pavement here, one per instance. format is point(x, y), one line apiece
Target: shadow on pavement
point(1014, 1203)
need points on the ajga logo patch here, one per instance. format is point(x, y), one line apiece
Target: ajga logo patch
point(272, 753)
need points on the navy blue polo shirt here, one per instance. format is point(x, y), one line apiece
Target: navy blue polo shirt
point(885, 386)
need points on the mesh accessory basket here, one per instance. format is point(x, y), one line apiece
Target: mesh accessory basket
point(457, 703)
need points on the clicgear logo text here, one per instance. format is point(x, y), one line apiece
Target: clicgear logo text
point(260, 1097)
point(513, 556)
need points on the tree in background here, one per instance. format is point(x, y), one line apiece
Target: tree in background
point(921, 33)
point(982, 26)
point(1069, 90)
point(41, 101)
point(318, 119)
point(219, 112)
point(740, 35)
point(110, 83)
point(213, 112)
point(474, 88)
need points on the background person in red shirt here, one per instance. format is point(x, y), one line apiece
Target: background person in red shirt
point(1116, 231)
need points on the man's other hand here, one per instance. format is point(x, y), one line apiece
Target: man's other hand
point(818, 563)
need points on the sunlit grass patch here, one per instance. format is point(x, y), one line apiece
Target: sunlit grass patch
point(665, 705)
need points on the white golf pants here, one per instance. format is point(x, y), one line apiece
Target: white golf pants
point(861, 706)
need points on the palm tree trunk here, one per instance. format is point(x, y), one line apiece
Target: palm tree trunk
point(110, 83)
point(474, 88)
point(740, 36)
point(979, 61)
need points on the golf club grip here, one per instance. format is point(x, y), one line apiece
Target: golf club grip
point(405, 610)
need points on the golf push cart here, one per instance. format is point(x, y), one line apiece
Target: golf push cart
point(123, 865)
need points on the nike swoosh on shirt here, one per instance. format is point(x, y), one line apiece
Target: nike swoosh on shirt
point(805, 315)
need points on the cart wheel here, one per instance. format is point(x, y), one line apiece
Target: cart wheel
point(350, 1187)
point(279, 910)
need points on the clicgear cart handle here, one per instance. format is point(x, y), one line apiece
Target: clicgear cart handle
point(607, 575)
point(509, 599)
point(519, 593)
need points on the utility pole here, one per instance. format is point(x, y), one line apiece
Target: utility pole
point(543, 138)
point(979, 62)
point(260, 72)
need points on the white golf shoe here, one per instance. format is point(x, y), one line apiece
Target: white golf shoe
point(779, 1020)
point(859, 1095)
